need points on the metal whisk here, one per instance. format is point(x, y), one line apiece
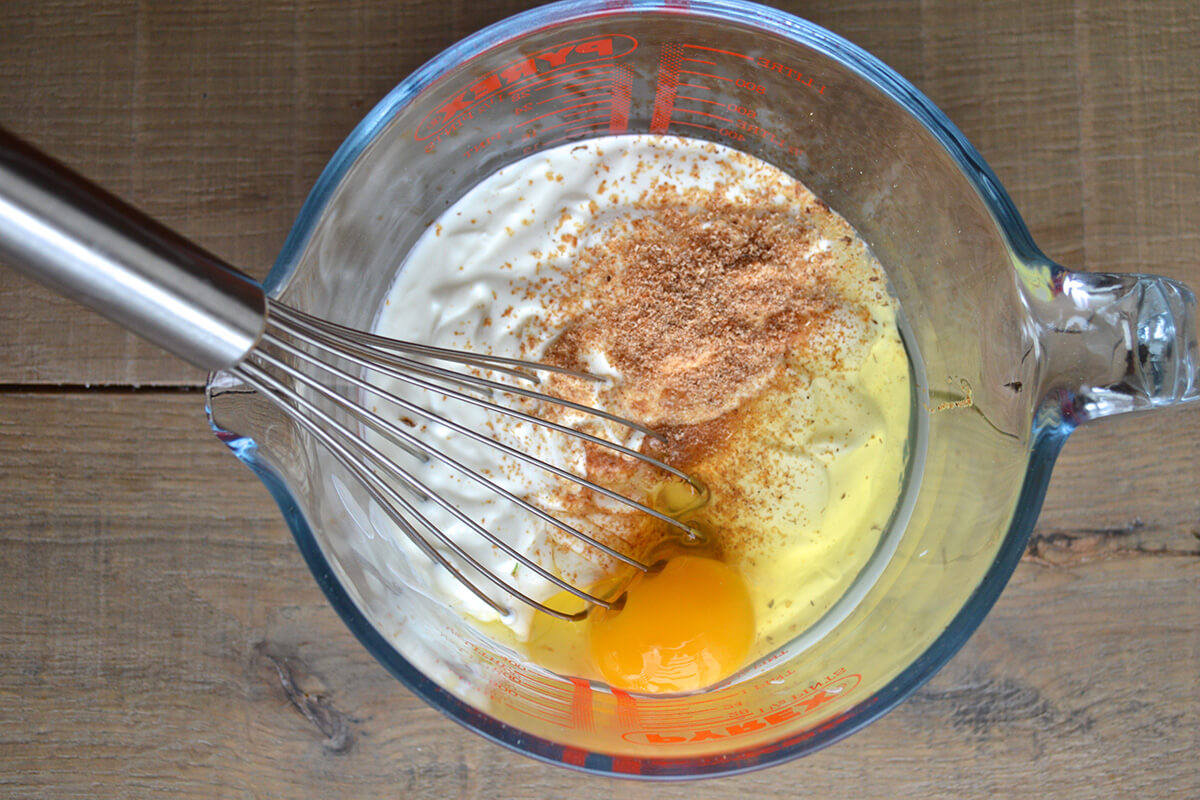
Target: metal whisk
point(317, 344)
point(69, 234)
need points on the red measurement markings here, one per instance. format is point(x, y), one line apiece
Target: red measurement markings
point(695, 125)
point(790, 72)
point(571, 86)
point(684, 110)
point(559, 111)
point(450, 115)
point(704, 114)
point(589, 94)
point(763, 63)
point(575, 120)
point(596, 84)
point(573, 133)
point(575, 116)
point(550, 713)
point(554, 720)
point(581, 705)
point(785, 712)
point(664, 95)
point(692, 710)
point(717, 50)
point(582, 120)
point(545, 685)
point(613, 91)
point(554, 710)
point(681, 718)
point(576, 123)
point(578, 115)
point(559, 79)
point(699, 61)
point(683, 85)
point(551, 710)
point(560, 139)
point(627, 709)
point(704, 75)
point(622, 98)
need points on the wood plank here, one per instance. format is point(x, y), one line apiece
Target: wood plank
point(218, 121)
point(1007, 74)
point(1138, 112)
point(160, 634)
point(214, 118)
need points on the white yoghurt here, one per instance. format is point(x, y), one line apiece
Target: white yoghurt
point(477, 280)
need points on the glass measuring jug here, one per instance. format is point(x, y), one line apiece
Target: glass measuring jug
point(1010, 353)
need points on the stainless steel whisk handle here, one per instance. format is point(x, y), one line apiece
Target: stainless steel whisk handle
point(62, 230)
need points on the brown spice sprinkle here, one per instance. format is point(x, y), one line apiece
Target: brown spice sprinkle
point(713, 305)
point(696, 303)
point(699, 302)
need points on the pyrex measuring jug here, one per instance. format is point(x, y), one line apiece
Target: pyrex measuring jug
point(1010, 353)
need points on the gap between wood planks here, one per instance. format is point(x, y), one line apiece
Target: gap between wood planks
point(84, 388)
point(1055, 548)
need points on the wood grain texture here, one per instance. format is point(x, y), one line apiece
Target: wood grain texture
point(216, 118)
point(159, 633)
point(161, 636)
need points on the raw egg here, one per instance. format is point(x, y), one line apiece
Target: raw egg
point(683, 627)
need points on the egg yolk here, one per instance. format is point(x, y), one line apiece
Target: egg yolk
point(682, 628)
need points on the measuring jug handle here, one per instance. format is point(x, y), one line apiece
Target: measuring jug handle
point(1115, 343)
point(66, 232)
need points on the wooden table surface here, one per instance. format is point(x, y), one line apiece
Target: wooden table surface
point(159, 633)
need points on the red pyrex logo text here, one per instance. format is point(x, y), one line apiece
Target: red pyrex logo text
point(451, 114)
point(802, 706)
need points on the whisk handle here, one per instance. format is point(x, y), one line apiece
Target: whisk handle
point(62, 230)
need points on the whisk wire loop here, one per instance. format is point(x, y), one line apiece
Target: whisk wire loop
point(387, 428)
point(487, 440)
point(300, 360)
point(389, 498)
